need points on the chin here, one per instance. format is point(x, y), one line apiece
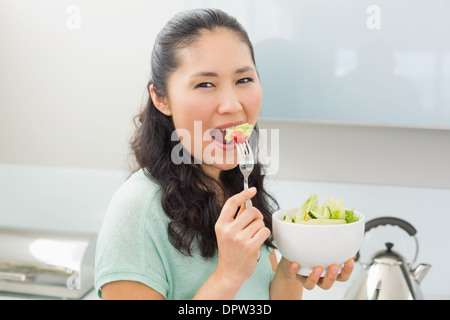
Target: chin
point(221, 165)
point(226, 167)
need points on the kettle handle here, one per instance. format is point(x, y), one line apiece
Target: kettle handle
point(406, 226)
point(392, 221)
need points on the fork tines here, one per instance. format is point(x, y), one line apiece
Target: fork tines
point(243, 148)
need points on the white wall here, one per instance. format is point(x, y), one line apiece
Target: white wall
point(360, 61)
point(68, 96)
point(73, 75)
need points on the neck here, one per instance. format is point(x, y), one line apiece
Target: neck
point(211, 171)
point(215, 174)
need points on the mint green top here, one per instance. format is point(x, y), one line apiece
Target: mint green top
point(133, 245)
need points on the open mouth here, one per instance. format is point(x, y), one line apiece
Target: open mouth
point(218, 135)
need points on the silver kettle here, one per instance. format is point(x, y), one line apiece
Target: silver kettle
point(388, 276)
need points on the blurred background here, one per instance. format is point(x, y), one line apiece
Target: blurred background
point(359, 91)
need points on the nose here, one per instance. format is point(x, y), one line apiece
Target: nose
point(229, 101)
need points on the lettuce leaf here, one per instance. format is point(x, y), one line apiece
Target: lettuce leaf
point(331, 209)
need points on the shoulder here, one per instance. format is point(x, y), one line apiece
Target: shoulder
point(126, 247)
point(138, 189)
point(137, 200)
point(135, 195)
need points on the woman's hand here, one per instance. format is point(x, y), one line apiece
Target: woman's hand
point(314, 278)
point(239, 238)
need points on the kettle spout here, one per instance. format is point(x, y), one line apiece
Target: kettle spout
point(420, 271)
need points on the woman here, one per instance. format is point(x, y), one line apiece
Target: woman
point(176, 229)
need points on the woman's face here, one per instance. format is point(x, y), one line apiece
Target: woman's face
point(215, 87)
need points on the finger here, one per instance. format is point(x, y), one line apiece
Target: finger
point(260, 236)
point(248, 216)
point(311, 281)
point(250, 230)
point(346, 271)
point(292, 268)
point(330, 277)
point(233, 203)
point(242, 208)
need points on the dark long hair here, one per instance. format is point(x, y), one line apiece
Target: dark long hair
point(189, 195)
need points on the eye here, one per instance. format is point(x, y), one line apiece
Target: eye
point(204, 85)
point(244, 80)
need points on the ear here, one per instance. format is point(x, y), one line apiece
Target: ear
point(160, 102)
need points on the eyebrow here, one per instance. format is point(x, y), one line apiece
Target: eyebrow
point(213, 74)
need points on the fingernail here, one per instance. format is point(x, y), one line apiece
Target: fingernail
point(293, 266)
point(318, 273)
point(334, 270)
point(252, 190)
point(351, 263)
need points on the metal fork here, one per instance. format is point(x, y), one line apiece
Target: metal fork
point(246, 163)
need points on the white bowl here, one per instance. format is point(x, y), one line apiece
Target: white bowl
point(317, 245)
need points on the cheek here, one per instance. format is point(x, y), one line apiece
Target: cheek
point(253, 103)
point(190, 117)
point(192, 108)
point(188, 111)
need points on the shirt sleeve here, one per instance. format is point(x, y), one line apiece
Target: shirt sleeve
point(126, 249)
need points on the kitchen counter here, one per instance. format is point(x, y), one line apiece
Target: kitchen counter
point(63, 199)
point(8, 296)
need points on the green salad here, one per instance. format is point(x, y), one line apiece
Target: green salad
point(239, 133)
point(330, 212)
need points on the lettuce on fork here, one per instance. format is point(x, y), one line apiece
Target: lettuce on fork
point(245, 128)
point(330, 212)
